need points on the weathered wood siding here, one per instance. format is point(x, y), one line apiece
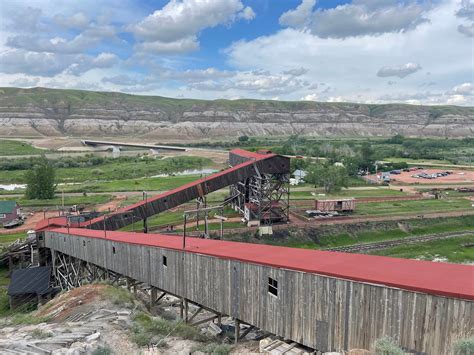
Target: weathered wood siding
point(322, 312)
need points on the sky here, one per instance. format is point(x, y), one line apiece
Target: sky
point(366, 51)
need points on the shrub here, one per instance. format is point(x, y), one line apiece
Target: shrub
point(464, 346)
point(145, 328)
point(119, 296)
point(102, 350)
point(387, 346)
point(213, 348)
point(41, 334)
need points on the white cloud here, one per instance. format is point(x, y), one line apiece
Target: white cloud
point(359, 18)
point(463, 89)
point(89, 38)
point(349, 65)
point(466, 10)
point(50, 64)
point(78, 20)
point(467, 30)
point(85, 63)
point(310, 97)
point(25, 82)
point(175, 27)
point(247, 14)
point(183, 45)
point(401, 71)
point(32, 63)
point(296, 71)
point(299, 17)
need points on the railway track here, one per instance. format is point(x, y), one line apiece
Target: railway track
point(392, 243)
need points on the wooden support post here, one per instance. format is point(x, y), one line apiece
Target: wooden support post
point(199, 310)
point(197, 214)
point(219, 319)
point(186, 308)
point(181, 308)
point(204, 320)
point(145, 225)
point(237, 331)
point(206, 227)
point(248, 330)
point(153, 293)
point(184, 231)
point(222, 224)
point(161, 296)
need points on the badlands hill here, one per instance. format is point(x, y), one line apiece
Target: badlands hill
point(52, 112)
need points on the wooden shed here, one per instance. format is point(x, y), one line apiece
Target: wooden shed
point(340, 205)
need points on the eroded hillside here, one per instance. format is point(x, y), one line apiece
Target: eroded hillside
point(50, 112)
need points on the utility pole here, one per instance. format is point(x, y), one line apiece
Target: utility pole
point(184, 231)
point(145, 222)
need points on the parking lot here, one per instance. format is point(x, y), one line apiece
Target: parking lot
point(431, 176)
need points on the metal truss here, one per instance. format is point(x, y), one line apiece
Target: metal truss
point(269, 195)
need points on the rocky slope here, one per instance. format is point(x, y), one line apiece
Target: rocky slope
point(49, 112)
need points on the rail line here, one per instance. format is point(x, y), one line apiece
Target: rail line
point(392, 243)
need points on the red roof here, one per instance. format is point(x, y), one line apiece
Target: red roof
point(50, 222)
point(253, 155)
point(451, 280)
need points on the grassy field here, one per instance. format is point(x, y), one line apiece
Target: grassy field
point(116, 170)
point(452, 250)
point(150, 184)
point(176, 218)
point(412, 207)
point(345, 193)
point(6, 239)
point(416, 228)
point(68, 201)
point(11, 147)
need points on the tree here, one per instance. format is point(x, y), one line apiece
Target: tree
point(40, 181)
point(367, 157)
point(328, 176)
point(243, 139)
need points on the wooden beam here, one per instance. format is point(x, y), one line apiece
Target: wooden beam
point(199, 310)
point(204, 320)
point(248, 330)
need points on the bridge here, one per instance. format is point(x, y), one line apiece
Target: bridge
point(328, 301)
point(95, 143)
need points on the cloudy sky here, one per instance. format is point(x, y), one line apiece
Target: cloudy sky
point(370, 51)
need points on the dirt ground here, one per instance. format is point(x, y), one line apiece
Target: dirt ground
point(457, 176)
point(30, 222)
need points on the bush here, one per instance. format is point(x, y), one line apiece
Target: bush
point(41, 334)
point(102, 350)
point(119, 296)
point(387, 346)
point(213, 348)
point(464, 346)
point(145, 330)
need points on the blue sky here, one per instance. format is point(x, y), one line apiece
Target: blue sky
point(368, 51)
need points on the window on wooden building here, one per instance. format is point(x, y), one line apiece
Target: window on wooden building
point(165, 261)
point(113, 250)
point(83, 243)
point(273, 287)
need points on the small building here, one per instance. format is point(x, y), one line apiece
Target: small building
point(9, 210)
point(341, 205)
point(299, 176)
point(30, 285)
point(272, 212)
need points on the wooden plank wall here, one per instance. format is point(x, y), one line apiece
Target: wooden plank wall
point(324, 313)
